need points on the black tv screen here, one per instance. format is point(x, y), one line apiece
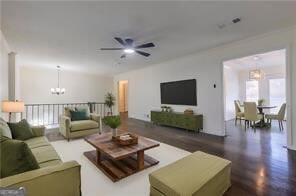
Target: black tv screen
point(179, 92)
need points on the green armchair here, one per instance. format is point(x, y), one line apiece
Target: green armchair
point(74, 129)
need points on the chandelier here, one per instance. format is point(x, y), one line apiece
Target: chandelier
point(58, 90)
point(256, 74)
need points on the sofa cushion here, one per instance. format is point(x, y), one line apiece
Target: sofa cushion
point(196, 174)
point(4, 129)
point(21, 130)
point(79, 115)
point(45, 154)
point(16, 157)
point(37, 142)
point(83, 124)
point(50, 163)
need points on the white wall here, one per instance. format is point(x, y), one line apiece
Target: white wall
point(231, 91)
point(35, 86)
point(144, 88)
point(206, 67)
point(3, 71)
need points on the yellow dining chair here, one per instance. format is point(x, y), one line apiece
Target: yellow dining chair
point(239, 114)
point(280, 116)
point(251, 114)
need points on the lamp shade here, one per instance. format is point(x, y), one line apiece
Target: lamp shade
point(12, 106)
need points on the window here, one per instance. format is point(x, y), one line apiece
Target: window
point(277, 93)
point(252, 90)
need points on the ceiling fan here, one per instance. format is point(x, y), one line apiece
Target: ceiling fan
point(129, 48)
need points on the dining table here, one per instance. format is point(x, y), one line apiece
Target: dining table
point(261, 109)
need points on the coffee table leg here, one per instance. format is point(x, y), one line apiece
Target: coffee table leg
point(140, 157)
point(98, 156)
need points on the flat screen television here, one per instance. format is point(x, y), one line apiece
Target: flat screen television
point(181, 92)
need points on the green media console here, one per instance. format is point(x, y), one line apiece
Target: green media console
point(193, 122)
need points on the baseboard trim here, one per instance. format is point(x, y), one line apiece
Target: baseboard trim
point(291, 148)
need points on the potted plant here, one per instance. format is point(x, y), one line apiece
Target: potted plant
point(261, 102)
point(109, 102)
point(113, 122)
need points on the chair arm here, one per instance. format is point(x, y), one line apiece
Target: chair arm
point(38, 130)
point(65, 123)
point(98, 119)
point(62, 179)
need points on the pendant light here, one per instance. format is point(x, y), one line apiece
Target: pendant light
point(256, 74)
point(58, 90)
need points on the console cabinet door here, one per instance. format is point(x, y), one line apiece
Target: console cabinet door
point(184, 121)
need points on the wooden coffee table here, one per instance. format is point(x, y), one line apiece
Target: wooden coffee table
point(118, 161)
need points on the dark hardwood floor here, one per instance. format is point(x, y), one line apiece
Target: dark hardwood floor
point(260, 163)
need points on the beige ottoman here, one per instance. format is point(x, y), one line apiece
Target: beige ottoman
point(197, 174)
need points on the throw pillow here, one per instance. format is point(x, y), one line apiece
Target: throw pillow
point(83, 108)
point(21, 130)
point(16, 157)
point(79, 115)
point(4, 129)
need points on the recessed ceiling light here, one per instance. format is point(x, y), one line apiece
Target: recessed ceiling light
point(129, 50)
point(256, 58)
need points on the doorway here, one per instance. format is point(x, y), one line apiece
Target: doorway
point(123, 97)
point(259, 78)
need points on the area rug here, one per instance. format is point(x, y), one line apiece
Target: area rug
point(95, 183)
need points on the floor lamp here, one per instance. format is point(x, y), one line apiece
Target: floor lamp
point(12, 107)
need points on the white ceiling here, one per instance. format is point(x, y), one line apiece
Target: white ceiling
point(71, 33)
point(269, 59)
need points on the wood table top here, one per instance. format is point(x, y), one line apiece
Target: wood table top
point(266, 106)
point(104, 143)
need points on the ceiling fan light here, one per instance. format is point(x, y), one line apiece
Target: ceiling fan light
point(129, 50)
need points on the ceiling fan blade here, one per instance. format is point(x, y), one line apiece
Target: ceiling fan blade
point(148, 45)
point(112, 48)
point(120, 40)
point(123, 56)
point(142, 53)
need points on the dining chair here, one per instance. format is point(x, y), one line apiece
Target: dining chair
point(239, 114)
point(251, 114)
point(280, 116)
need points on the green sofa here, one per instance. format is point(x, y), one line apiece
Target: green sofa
point(54, 177)
point(74, 129)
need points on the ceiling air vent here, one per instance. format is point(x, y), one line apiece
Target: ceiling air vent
point(226, 24)
point(236, 20)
